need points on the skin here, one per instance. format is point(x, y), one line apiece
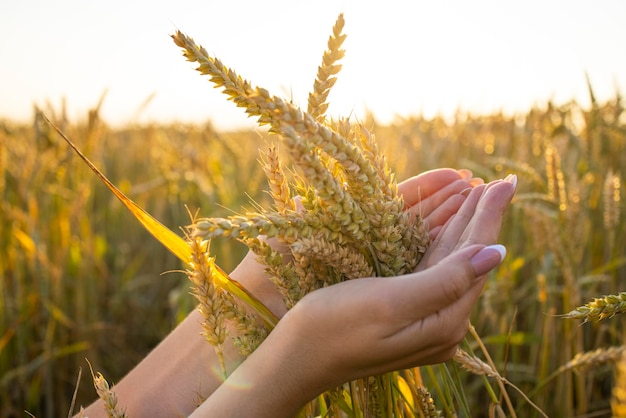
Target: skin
point(336, 334)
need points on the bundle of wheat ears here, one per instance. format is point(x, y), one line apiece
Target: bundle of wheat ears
point(349, 221)
point(337, 210)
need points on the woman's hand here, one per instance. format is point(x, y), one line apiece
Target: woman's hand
point(370, 326)
point(436, 195)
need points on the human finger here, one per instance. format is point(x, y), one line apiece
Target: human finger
point(427, 205)
point(485, 225)
point(425, 184)
point(449, 235)
point(440, 215)
point(441, 285)
point(469, 176)
point(438, 299)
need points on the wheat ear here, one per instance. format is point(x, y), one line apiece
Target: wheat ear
point(279, 188)
point(478, 367)
point(327, 71)
point(212, 305)
point(109, 398)
point(599, 308)
point(426, 403)
point(586, 360)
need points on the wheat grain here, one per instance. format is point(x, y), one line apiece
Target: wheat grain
point(248, 333)
point(108, 397)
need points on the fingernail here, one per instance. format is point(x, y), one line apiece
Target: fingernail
point(488, 258)
point(465, 192)
point(512, 178)
point(476, 181)
point(464, 173)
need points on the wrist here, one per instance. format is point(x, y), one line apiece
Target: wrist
point(273, 382)
point(251, 275)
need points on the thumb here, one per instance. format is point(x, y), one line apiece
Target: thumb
point(448, 281)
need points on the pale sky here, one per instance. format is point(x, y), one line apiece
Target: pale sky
point(403, 57)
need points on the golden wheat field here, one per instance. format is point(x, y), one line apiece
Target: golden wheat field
point(82, 280)
point(84, 284)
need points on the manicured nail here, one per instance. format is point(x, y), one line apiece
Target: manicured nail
point(512, 178)
point(476, 181)
point(465, 173)
point(488, 258)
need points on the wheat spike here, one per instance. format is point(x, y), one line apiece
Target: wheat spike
point(299, 130)
point(212, 300)
point(473, 364)
point(327, 71)
point(279, 188)
point(249, 333)
point(270, 224)
point(347, 260)
point(282, 274)
point(599, 308)
point(586, 360)
point(109, 398)
point(426, 403)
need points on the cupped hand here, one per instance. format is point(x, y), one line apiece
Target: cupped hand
point(435, 195)
point(370, 326)
point(477, 221)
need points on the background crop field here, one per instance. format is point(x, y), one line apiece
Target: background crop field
point(81, 279)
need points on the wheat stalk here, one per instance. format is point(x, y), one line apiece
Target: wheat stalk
point(611, 194)
point(556, 179)
point(618, 398)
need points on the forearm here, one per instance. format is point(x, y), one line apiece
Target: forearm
point(276, 381)
point(183, 369)
point(175, 377)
